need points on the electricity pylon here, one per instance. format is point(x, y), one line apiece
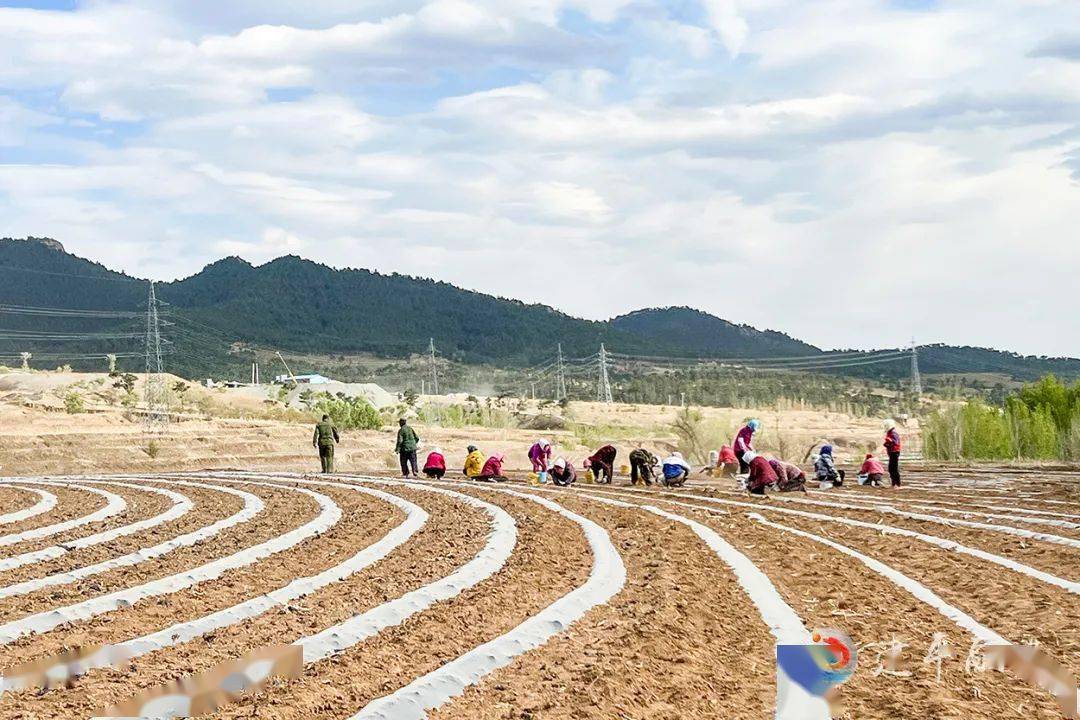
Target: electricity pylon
point(603, 387)
point(154, 393)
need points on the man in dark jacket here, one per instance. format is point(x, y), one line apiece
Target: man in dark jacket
point(407, 442)
point(324, 438)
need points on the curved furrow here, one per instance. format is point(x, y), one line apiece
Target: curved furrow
point(114, 505)
point(329, 514)
point(920, 591)
point(607, 577)
point(46, 502)
point(784, 623)
point(415, 518)
point(1015, 514)
point(1071, 586)
point(182, 504)
point(890, 510)
point(497, 549)
point(252, 507)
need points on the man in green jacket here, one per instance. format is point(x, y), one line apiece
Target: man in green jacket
point(325, 437)
point(407, 442)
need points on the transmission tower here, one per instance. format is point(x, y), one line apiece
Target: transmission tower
point(916, 379)
point(434, 370)
point(560, 377)
point(154, 390)
point(26, 359)
point(603, 387)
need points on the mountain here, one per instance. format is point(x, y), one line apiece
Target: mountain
point(295, 305)
point(697, 333)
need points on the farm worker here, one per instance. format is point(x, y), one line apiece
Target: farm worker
point(435, 465)
point(892, 447)
point(324, 438)
point(562, 472)
point(675, 470)
point(788, 477)
point(642, 463)
point(602, 463)
point(474, 462)
point(744, 442)
point(407, 442)
point(825, 467)
point(727, 461)
point(761, 473)
point(492, 471)
point(540, 455)
point(871, 471)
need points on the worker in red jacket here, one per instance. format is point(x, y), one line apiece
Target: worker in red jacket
point(602, 463)
point(761, 473)
point(435, 465)
point(744, 443)
point(892, 447)
point(493, 471)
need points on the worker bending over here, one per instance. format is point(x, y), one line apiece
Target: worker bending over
point(761, 473)
point(675, 470)
point(492, 470)
point(789, 478)
point(562, 473)
point(602, 463)
point(825, 468)
point(871, 471)
point(435, 465)
point(474, 463)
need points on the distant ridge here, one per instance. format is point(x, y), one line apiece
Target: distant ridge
point(301, 306)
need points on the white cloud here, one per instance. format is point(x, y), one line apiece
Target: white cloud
point(848, 171)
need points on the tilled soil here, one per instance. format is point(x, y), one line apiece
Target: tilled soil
point(546, 564)
point(680, 640)
point(209, 507)
point(654, 651)
point(830, 589)
point(284, 511)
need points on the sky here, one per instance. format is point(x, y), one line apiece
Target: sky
point(856, 173)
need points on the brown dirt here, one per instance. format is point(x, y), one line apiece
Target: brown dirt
point(209, 507)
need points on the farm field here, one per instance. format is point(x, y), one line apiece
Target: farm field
point(462, 600)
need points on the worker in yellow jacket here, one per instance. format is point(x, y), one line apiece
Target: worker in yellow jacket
point(474, 462)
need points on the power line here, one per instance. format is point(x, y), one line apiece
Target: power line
point(603, 386)
point(16, 268)
point(154, 389)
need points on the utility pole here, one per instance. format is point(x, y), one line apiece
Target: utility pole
point(434, 371)
point(916, 379)
point(603, 387)
point(26, 359)
point(154, 389)
point(111, 357)
point(560, 377)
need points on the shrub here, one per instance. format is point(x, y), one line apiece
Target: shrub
point(354, 413)
point(73, 403)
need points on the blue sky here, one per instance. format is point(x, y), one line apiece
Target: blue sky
point(853, 172)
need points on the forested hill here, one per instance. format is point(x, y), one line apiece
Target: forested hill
point(296, 305)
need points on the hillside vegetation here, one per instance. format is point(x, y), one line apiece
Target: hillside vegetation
point(222, 314)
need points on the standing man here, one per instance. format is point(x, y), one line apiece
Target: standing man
point(324, 438)
point(407, 442)
point(892, 447)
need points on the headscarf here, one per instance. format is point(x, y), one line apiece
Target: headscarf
point(471, 448)
point(749, 456)
point(438, 451)
point(825, 450)
point(498, 456)
point(754, 424)
point(868, 456)
point(559, 463)
point(543, 443)
point(889, 424)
